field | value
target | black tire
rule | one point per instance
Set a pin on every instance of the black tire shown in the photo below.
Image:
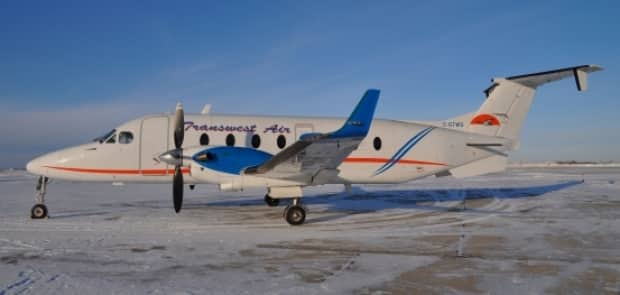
(38, 211)
(271, 202)
(295, 215)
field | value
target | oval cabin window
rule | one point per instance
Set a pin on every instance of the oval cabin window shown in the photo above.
(204, 139)
(281, 141)
(377, 143)
(255, 141)
(230, 140)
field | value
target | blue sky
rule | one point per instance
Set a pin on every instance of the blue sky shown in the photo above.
(70, 70)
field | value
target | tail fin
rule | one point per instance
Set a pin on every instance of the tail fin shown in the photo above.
(508, 100)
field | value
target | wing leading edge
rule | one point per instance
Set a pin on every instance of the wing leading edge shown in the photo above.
(321, 153)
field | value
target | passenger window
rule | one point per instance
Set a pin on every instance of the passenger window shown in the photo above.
(281, 141)
(255, 141)
(204, 139)
(230, 140)
(377, 143)
(125, 137)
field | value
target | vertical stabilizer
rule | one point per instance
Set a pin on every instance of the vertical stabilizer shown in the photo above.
(504, 110)
(508, 100)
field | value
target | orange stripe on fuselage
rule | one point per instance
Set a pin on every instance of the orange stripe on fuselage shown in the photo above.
(186, 170)
(119, 171)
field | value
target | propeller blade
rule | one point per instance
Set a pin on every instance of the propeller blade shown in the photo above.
(179, 125)
(177, 189)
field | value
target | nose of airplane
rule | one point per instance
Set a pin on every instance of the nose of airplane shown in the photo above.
(35, 166)
(39, 165)
(44, 165)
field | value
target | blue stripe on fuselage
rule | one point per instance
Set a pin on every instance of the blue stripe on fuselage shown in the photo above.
(403, 150)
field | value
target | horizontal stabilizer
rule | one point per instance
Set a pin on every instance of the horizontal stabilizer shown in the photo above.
(580, 73)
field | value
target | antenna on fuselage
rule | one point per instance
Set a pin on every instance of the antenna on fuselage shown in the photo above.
(206, 109)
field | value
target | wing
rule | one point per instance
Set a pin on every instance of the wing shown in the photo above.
(319, 154)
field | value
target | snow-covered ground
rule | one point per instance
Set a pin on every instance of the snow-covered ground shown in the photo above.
(525, 231)
(564, 164)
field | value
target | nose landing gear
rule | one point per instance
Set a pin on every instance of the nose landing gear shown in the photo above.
(271, 202)
(39, 210)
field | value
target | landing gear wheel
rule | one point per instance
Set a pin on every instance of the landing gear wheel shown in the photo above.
(271, 202)
(295, 215)
(38, 211)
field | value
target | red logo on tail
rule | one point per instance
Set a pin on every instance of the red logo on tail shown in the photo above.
(485, 119)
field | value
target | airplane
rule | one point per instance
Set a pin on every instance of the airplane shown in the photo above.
(284, 154)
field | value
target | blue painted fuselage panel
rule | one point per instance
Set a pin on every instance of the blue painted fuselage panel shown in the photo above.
(230, 159)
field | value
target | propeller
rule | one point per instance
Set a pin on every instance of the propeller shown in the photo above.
(177, 189)
(179, 122)
(175, 157)
(177, 179)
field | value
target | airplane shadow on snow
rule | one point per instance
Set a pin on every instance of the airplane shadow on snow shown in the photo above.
(359, 201)
(367, 201)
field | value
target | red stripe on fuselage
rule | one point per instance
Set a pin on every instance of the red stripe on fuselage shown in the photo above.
(186, 170)
(119, 171)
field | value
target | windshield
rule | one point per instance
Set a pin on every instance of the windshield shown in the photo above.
(100, 139)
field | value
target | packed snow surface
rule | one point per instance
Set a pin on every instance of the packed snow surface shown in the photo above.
(524, 231)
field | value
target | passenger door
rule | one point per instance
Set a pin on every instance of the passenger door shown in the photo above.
(153, 142)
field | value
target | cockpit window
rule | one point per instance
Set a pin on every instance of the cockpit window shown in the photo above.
(111, 139)
(125, 137)
(103, 138)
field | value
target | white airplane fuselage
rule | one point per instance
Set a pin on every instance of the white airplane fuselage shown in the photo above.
(137, 161)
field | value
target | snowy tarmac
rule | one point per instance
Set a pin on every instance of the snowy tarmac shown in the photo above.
(524, 231)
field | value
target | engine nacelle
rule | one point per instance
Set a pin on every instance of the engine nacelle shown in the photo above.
(232, 183)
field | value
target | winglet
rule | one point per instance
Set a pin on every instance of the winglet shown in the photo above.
(581, 75)
(360, 119)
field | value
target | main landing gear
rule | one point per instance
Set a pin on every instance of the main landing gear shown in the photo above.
(294, 213)
(271, 202)
(39, 210)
